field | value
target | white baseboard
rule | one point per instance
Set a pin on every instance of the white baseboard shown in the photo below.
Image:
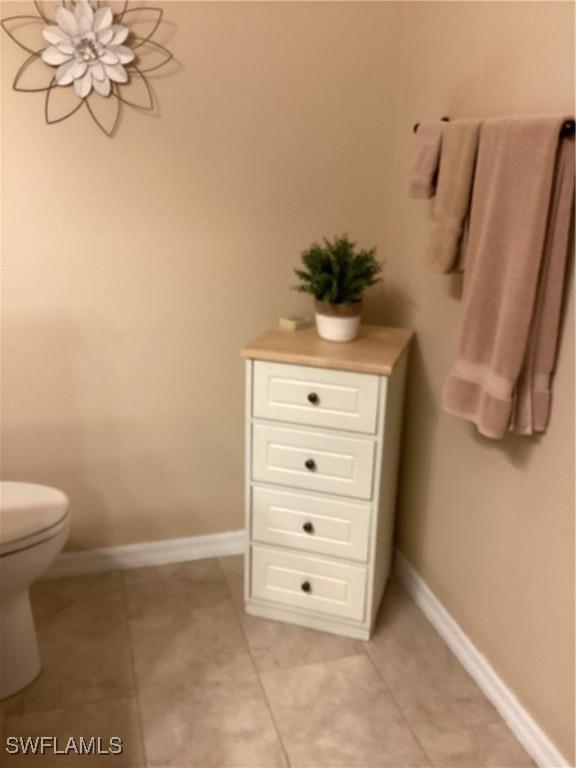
(148, 553)
(520, 722)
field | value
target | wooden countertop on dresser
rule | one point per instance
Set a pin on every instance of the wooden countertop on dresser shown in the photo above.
(377, 349)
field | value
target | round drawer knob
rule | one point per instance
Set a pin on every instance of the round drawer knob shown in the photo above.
(313, 398)
(308, 528)
(310, 464)
(306, 586)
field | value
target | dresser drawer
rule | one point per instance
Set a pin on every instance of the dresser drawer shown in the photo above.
(319, 524)
(313, 460)
(316, 396)
(312, 583)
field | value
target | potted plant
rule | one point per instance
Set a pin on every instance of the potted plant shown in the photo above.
(337, 275)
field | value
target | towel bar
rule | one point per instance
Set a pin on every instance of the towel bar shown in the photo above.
(567, 129)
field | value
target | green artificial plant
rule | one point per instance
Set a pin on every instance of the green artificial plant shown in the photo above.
(336, 273)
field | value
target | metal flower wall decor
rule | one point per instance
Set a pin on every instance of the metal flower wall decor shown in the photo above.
(88, 56)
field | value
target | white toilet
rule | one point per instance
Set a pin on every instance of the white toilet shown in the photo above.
(34, 524)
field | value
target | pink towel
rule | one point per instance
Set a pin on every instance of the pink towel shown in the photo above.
(428, 145)
(515, 269)
(453, 192)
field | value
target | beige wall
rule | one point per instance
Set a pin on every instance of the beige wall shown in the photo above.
(135, 268)
(489, 525)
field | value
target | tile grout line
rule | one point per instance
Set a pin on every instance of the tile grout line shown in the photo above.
(260, 685)
(69, 705)
(268, 706)
(398, 707)
(133, 664)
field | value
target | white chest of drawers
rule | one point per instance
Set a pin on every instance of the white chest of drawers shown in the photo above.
(323, 426)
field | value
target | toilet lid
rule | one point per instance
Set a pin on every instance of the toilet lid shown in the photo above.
(27, 510)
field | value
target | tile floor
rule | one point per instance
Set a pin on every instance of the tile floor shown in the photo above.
(166, 659)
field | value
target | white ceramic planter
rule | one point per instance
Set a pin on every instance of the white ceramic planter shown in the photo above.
(337, 322)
